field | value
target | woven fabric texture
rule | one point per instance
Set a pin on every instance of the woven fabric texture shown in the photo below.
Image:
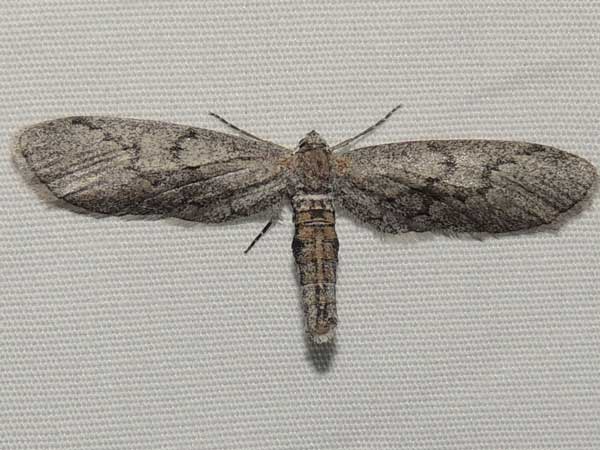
(157, 334)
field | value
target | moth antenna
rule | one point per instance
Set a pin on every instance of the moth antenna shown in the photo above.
(368, 130)
(244, 132)
(261, 234)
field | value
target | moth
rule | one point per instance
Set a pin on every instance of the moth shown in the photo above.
(122, 166)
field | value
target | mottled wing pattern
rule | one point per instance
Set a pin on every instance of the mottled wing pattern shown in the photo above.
(127, 166)
(460, 185)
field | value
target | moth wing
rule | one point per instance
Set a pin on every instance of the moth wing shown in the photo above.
(127, 166)
(460, 185)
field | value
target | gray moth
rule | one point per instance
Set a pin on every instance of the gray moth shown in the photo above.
(122, 166)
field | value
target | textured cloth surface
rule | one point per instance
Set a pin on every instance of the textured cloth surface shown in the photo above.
(138, 334)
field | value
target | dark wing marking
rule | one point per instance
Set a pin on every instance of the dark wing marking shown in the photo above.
(461, 185)
(127, 166)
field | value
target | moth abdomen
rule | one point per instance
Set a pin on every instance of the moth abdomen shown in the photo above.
(320, 311)
(315, 247)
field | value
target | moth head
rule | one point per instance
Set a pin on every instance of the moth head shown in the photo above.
(312, 141)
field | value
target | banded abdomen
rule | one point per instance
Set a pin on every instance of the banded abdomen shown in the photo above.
(315, 248)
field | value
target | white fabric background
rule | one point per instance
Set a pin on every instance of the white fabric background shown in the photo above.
(136, 334)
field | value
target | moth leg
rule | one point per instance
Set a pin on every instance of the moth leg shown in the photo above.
(263, 231)
(244, 132)
(368, 130)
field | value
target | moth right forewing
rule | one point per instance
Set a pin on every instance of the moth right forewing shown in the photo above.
(461, 185)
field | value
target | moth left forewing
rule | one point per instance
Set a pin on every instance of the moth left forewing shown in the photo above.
(122, 166)
(460, 185)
